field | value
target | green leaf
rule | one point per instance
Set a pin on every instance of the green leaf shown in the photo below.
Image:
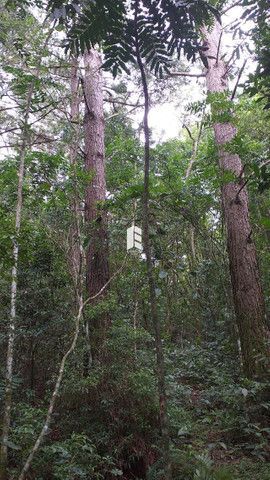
(265, 222)
(117, 472)
(12, 445)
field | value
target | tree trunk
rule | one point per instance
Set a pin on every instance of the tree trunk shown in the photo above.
(14, 275)
(195, 146)
(244, 271)
(97, 265)
(14, 285)
(160, 362)
(74, 241)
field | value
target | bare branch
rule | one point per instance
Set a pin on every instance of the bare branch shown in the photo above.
(8, 130)
(189, 132)
(218, 49)
(247, 180)
(238, 80)
(186, 74)
(195, 142)
(111, 100)
(121, 113)
(233, 54)
(235, 4)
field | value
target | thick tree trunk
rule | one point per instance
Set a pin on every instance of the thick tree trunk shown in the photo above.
(97, 265)
(244, 271)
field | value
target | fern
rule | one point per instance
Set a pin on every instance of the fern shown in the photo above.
(206, 471)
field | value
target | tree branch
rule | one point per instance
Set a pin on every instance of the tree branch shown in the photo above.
(232, 55)
(186, 74)
(189, 132)
(247, 180)
(235, 4)
(238, 80)
(109, 100)
(218, 49)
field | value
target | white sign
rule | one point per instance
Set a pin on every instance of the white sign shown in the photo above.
(134, 239)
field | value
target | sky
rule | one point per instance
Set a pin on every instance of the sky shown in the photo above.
(166, 120)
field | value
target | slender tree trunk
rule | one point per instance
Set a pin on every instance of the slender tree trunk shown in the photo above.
(75, 264)
(14, 277)
(14, 285)
(97, 265)
(76, 259)
(164, 423)
(244, 271)
(195, 145)
(75, 254)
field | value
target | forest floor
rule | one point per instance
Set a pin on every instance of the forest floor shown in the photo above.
(224, 419)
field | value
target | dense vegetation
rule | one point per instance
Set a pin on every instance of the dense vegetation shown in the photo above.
(148, 364)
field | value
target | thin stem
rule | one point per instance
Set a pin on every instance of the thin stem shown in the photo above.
(151, 282)
(186, 74)
(195, 145)
(238, 80)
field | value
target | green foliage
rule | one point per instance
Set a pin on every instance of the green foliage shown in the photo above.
(158, 28)
(106, 421)
(221, 107)
(77, 458)
(28, 423)
(258, 83)
(206, 471)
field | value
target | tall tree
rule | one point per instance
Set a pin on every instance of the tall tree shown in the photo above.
(97, 265)
(244, 270)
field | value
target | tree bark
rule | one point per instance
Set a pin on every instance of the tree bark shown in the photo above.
(14, 285)
(244, 271)
(74, 240)
(97, 265)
